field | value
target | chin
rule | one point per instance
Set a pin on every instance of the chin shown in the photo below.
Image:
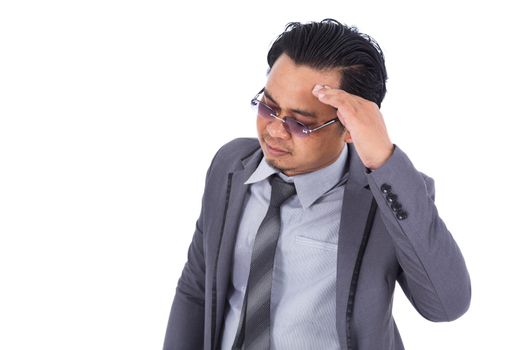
(273, 164)
(288, 171)
(277, 165)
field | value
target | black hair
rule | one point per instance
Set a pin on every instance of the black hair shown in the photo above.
(330, 44)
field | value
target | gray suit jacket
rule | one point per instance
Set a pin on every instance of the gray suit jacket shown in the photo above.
(376, 248)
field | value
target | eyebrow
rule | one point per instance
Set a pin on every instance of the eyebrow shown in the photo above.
(294, 110)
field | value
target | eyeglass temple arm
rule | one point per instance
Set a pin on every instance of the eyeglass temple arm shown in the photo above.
(322, 126)
(260, 92)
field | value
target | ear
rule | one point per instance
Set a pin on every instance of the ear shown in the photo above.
(347, 137)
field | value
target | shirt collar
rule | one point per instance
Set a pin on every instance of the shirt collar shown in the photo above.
(310, 186)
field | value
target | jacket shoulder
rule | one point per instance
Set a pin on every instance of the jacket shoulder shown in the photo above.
(236, 150)
(229, 156)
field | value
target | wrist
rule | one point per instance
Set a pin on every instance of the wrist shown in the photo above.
(383, 160)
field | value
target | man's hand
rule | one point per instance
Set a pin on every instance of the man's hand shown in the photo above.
(363, 120)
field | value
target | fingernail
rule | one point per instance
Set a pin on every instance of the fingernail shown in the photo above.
(317, 87)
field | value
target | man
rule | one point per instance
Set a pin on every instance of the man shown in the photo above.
(303, 233)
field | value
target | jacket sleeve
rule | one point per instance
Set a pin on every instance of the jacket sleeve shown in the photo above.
(433, 273)
(185, 330)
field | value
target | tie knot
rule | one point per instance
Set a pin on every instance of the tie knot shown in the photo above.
(281, 191)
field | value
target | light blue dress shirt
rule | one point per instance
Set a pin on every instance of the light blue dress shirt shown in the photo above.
(304, 277)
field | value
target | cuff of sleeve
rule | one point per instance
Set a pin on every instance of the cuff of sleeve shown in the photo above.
(369, 171)
(395, 169)
(392, 159)
(399, 179)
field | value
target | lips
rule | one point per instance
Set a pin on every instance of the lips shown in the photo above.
(275, 151)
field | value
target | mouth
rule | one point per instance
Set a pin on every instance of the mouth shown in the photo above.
(275, 151)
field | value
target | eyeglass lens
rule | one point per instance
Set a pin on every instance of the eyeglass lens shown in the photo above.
(290, 124)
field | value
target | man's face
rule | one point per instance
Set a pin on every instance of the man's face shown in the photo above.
(289, 92)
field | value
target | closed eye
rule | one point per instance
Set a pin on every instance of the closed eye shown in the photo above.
(308, 123)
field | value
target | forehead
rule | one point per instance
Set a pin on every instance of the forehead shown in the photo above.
(292, 84)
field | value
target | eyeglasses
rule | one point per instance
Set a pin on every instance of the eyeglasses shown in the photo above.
(291, 125)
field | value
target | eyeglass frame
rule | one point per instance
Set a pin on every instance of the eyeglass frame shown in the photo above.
(306, 130)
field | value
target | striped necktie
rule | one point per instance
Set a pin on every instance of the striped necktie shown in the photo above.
(256, 308)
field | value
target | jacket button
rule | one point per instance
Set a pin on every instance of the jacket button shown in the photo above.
(391, 198)
(386, 188)
(395, 207)
(401, 215)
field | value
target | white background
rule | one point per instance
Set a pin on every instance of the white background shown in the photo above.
(110, 112)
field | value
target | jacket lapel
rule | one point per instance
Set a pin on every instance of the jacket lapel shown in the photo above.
(354, 213)
(235, 206)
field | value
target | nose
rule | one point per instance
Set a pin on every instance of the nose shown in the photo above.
(276, 129)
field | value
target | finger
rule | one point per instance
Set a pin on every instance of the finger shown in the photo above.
(330, 96)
